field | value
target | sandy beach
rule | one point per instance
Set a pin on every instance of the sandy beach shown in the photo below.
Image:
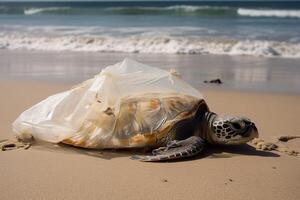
(252, 49)
(60, 172)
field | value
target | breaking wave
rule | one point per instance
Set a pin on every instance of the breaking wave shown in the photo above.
(152, 44)
(268, 13)
(135, 10)
(55, 10)
(176, 8)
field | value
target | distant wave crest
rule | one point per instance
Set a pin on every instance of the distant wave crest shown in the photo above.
(268, 13)
(184, 8)
(33, 11)
(176, 9)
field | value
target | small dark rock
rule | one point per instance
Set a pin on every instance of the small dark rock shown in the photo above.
(286, 138)
(164, 180)
(216, 81)
(230, 180)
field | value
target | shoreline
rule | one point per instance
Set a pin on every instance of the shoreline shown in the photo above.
(238, 73)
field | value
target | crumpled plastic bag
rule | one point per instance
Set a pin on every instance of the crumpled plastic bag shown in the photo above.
(65, 114)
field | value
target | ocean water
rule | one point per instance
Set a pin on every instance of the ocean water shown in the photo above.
(264, 29)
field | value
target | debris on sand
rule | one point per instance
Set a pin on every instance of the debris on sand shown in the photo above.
(14, 144)
(286, 138)
(215, 81)
(260, 144)
(164, 180)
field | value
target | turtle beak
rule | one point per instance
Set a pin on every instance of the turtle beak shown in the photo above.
(249, 129)
(255, 131)
(249, 135)
(250, 132)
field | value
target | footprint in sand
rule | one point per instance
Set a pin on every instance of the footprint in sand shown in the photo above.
(276, 146)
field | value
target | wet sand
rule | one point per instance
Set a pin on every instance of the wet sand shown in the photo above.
(243, 73)
(233, 173)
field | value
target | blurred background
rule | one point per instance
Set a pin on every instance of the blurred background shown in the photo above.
(250, 45)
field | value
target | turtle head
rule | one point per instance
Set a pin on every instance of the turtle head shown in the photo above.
(230, 130)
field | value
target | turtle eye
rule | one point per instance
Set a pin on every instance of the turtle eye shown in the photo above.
(238, 125)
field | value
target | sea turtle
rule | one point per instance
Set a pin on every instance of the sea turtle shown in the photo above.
(175, 126)
(131, 105)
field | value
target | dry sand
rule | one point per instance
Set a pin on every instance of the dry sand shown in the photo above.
(222, 173)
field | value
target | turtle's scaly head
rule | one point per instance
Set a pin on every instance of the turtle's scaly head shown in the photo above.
(230, 130)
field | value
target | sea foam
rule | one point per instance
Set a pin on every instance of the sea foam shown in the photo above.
(152, 44)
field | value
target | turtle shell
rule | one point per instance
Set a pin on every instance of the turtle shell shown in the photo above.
(139, 121)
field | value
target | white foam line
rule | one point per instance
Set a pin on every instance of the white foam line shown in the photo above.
(151, 44)
(32, 11)
(268, 13)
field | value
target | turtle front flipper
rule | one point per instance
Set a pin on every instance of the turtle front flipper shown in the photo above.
(174, 150)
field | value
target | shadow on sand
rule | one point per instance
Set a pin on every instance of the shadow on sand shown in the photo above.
(213, 152)
(210, 152)
(67, 149)
(239, 150)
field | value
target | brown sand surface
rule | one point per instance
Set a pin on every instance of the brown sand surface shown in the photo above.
(219, 173)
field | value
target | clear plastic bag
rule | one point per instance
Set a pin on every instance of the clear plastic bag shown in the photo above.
(75, 112)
